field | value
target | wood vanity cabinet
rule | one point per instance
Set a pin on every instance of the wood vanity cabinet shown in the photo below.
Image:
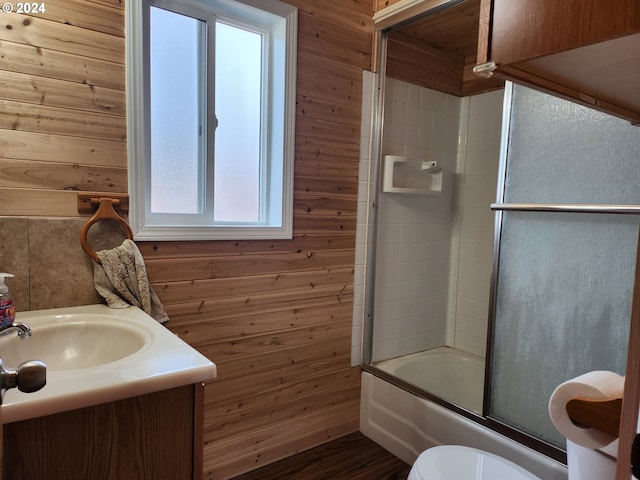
(587, 51)
(156, 436)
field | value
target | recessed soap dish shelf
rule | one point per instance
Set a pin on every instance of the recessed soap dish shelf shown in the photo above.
(400, 176)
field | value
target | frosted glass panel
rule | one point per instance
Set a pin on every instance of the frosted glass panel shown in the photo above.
(176, 116)
(567, 153)
(563, 307)
(239, 109)
(564, 280)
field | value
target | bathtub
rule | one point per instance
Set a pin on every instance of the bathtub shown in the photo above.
(406, 424)
(451, 374)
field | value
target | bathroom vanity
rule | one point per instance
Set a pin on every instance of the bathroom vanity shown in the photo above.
(124, 399)
(152, 436)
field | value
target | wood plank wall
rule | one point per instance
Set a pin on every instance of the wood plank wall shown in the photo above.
(413, 61)
(274, 315)
(62, 106)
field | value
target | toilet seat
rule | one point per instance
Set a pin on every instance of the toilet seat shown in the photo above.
(457, 462)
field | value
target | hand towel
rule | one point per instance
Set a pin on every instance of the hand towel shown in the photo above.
(121, 278)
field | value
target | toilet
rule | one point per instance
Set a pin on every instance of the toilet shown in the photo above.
(456, 462)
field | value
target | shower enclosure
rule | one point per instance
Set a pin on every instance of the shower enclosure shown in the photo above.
(434, 249)
(431, 260)
(511, 259)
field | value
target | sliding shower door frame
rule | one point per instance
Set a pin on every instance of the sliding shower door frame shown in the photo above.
(499, 207)
(493, 423)
(375, 155)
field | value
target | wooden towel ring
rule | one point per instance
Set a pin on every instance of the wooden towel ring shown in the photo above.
(105, 212)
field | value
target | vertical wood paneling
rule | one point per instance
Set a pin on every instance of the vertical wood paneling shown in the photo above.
(274, 315)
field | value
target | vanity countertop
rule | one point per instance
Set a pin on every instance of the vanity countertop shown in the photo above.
(96, 354)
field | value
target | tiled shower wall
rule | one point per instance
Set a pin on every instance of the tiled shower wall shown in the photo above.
(472, 235)
(413, 239)
(433, 253)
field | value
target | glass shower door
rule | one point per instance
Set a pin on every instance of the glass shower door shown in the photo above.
(564, 275)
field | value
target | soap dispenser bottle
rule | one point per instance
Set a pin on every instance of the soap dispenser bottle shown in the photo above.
(7, 306)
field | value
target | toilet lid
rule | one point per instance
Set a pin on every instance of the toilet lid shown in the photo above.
(456, 462)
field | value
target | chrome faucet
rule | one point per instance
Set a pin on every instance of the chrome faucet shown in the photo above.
(24, 330)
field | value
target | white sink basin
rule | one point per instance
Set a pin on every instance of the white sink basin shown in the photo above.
(73, 345)
(96, 354)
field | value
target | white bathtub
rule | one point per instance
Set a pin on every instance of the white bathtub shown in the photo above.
(406, 425)
(450, 374)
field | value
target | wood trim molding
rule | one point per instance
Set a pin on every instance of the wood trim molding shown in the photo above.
(406, 10)
(631, 398)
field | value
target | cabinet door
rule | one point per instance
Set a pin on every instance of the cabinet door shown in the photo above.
(582, 50)
(527, 29)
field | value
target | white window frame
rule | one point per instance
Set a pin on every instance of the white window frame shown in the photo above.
(280, 20)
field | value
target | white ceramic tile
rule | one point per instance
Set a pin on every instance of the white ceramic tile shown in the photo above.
(468, 343)
(400, 91)
(384, 330)
(422, 255)
(476, 252)
(439, 101)
(408, 345)
(474, 290)
(383, 350)
(364, 165)
(452, 304)
(427, 98)
(356, 335)
(464, 115)
(477, 272)
(358, 296)
(414, 114)
(411, 326)
(358, 274)
(412, 141)
(471, 317)
(356, 355)
(477, 216)
(414, 95)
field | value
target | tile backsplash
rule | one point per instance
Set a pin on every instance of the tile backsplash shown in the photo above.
(51, 269)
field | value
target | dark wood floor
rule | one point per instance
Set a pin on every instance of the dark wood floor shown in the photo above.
(353, 457)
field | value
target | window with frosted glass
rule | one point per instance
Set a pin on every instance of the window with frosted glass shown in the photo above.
(238, 174)
(177, 142)
(211, 119)
(178, 95)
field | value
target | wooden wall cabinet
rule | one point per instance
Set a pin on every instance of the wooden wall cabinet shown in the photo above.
(583, 50)
(154, 436)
